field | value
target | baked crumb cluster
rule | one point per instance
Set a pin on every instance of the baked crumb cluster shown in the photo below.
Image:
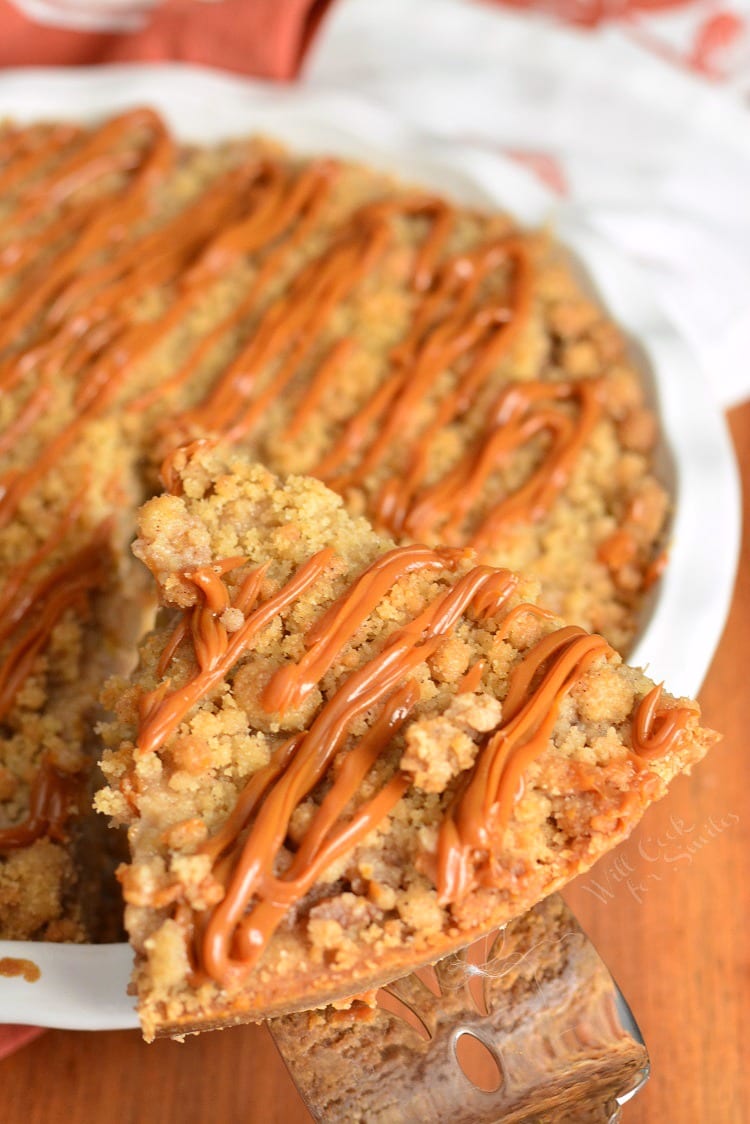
(195, 726)
(441, 369)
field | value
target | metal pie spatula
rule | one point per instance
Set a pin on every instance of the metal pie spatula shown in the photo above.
(526, 1024)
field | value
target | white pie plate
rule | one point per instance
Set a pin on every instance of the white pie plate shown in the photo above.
(84, 986)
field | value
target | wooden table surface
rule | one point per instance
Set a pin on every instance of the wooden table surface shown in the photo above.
(670, 920)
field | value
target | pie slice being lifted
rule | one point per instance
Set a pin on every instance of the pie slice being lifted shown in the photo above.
(340, 759)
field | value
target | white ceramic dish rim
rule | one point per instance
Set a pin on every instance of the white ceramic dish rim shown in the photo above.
(84, 986)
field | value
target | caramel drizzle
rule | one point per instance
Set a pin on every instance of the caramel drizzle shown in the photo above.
(474, 825)
(41, 605)
(272, 217)
(448, 326)
(235, 404)
(471, 681)
(285, 215)
(163, 710)
(36, 304)
(84, 321)
(655, 569)
(18, 593)
(66, 587)
(102, 222)
(53, 793)
(473, 829)
(169, 472)
(320, 384)
(290, 685)
(31, 411)
(88, 157)
(228, 940)
(25, 150)
(233, 940)
(232, 408)
(265, 807)
(451, 329)
(521, 413)
(656, 731)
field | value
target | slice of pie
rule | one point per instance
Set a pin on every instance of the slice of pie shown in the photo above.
(340, 759)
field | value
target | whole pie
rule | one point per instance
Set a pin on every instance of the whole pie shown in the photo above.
(442, 371)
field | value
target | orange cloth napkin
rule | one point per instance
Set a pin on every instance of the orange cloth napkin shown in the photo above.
(265, 38)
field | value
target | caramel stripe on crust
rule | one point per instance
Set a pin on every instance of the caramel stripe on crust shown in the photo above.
(229, 939)
(53, 795)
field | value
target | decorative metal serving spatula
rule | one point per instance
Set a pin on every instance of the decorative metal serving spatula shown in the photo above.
(526, 1024)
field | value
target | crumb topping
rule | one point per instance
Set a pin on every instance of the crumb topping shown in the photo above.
(396, 808)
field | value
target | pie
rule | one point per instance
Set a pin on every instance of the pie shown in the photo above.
(444, 371)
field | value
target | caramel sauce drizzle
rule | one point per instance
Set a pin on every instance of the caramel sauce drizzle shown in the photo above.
(169, 470)
(473, 828)
(26, 150)
(36, 300)
(452, 326)
(521, 413)
(232, 408)
(229, 939)
(35, 608)
(66, 587)
(449, 325)
(19, 593)
(234, 938)
(657, 730)
(287, 213)
(290, 685)
(474, 825)
(53, 793)
(655, 569)
(320, 384)
(11, 966)
(103, 222)
(235, 404)
(217, 652)
(469, 683)
(31, 411)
